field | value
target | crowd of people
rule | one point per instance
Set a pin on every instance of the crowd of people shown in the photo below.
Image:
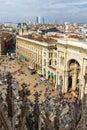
(40, 105)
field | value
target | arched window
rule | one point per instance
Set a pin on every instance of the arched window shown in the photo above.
(86, 69)
(44, 62)
(62, 60)
(50, 62)
(55, 62)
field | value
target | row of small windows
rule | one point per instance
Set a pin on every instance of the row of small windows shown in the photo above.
(34, 48)
(51, 55)
(50, 62)
(39, 51)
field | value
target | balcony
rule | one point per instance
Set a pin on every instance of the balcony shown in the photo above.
(52, 67)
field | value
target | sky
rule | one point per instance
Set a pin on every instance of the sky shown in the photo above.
(59, 11)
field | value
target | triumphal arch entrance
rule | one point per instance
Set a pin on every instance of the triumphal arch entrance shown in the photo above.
(73, 75)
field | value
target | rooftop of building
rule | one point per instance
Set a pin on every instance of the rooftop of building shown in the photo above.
(80, 43)
(39, 42)
(71, 39)
(5, 34)
(40, 38)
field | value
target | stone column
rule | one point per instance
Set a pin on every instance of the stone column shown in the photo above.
(57, 76)
(57, 80)
(74, 79)
(85, 84)
(46, 74)
(65, 88)
(81, 86)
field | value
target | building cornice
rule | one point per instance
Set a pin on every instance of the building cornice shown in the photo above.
(45, 44)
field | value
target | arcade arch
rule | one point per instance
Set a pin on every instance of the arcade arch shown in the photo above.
(73, 75)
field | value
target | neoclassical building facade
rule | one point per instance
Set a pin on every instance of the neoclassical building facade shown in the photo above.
(72, 65)
(63, 62)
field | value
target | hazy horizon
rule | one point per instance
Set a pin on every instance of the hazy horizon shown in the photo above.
(58, 11)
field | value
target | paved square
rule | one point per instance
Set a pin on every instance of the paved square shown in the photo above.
(20, 71)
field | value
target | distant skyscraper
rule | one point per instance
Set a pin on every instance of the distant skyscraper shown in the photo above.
(43, 21)
(38, 19)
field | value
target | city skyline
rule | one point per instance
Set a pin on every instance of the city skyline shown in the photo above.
(59, 11)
